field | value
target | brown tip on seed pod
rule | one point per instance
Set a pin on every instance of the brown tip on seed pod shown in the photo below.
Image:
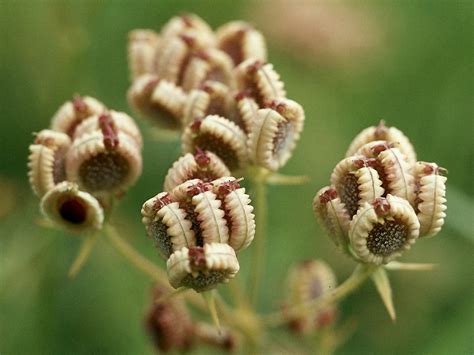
(179, 25)
(220, 136)
(74, 210)
(241, 42)
(142, 48)
(71, 113)
(306, 282)
(430, 201)
(46, 160)
(202, 268)
(274, 134)
(383, 229)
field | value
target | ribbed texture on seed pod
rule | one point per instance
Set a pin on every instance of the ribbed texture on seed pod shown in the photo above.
(72, 209)
(179, 25)
(173, 55)
(202, 268)
(220, 136)
(382, 230)
(46, 160)
(247, 110)
(71, 113)
(142, 48)
(430, 202)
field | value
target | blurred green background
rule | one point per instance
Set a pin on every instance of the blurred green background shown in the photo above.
(351, 64)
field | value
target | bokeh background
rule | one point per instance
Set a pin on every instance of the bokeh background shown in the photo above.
(348, 63)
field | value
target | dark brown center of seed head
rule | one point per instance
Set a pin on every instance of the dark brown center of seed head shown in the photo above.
(233, 47)
(204, 281)
(222, 149)
(349, 193)
(73, 211)
(385, 239)
(104, 171)
(109, 131)
(192, 216)
(283, 136)
(159, 232)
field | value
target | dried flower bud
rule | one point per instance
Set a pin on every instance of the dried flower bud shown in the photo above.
(104, 161)
(222, 338)
(274, 133)
(159, 100)
(202, 268)
(382, 230)
(383, 133)
(306, 282)
(241, 42)
(179, 25)
(202, 165)
(71, 113)
(260, 81)
(169, 324)
(72, 209)
(220, 136)
(430, 202)
(142, 47)
(46, 160)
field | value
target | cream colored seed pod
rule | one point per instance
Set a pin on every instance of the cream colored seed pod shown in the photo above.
(46, 160)
(121, 121)
(246, 114)
(142, 48)
(356, 183)
(158, 100)
(383, 133)
(241, 42)
(220, 136)
(210, 99)
(238, 212)
(72, 209)
(430, 202)
(106, 161)
(71, 113)
(209, 64)
(274, 134)
(382, 230)
(332, 215)
(260, 81)
(202, 268)
(167, 225)
(203, 165)
(179, 25)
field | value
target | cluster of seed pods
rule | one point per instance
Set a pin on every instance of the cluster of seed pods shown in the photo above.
(198, 227)
(87, 157)
(381, 199)
(217, 89)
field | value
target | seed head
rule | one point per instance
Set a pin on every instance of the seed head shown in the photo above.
(142, 50)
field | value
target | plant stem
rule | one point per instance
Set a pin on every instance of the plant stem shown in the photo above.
(82, 257)
(357, 278)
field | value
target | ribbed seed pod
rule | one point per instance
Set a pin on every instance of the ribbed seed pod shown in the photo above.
(306, 282)
(179, 25)
(393, 168)
(383, 229)
(123, 123)
(71, 113)
(202, 268)
(332, 215)
(209, 64)
(244, 111)
(430, 202)
(203, 165)
(142, 48)
(274, 133)
(159, 100)
(238, 211)
(356, 183)
(211, 98)
(72, 209)
(241, 42)
(260, 81)
(104, 161)
(46, 160)
(218, 135)
(383, 133)
(167, 225)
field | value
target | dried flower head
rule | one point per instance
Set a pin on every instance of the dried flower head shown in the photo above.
(202, 165)
(202, 268)
(71, 113)
(274, 133)
(142, 48)
(381, 230)
(218, 135)
(72, 209)
(46, 160)
(241, 42)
